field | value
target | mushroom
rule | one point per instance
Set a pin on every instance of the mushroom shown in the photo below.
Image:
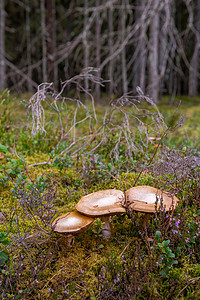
(145, 198)
(102, 204)
(71, 224)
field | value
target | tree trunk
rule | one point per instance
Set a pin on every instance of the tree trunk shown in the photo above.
(86, 45)
(163, 44)
(123, 57)
(153, 76)
(28, 45)
(2, 46)
(139, 66)
(51, 40)
(98, 49)
(142, 59)
(194, 64)
(110, 43)
(44, 46)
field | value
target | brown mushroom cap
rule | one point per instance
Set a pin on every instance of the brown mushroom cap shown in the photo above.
(71, 223)
(101, 203)
(144, 199)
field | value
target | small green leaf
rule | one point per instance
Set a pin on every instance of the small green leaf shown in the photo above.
(3, 257)
(166, 243)
(3, 148)
(5, 242)
(163, 274)
(157, 236)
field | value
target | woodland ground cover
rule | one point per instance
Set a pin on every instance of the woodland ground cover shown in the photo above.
(86, 149)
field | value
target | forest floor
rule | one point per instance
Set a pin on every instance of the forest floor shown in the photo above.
(83, 151)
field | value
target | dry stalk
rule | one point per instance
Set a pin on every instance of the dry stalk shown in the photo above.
(129, 119)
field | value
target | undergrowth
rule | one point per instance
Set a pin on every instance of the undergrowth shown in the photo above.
(83, 151)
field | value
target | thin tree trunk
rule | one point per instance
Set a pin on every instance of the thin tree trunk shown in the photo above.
(110, 43)
(123, 57)
(153, 76)
(165, 16)
(143, 60)
(51, 40)
(171, 80)
(44, 47)
(194, 64)
(28, 45)
(2, 46)
(98, 48)
(139, 66)
(86, 45)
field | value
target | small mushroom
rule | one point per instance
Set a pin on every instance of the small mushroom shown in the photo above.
(145, 198)
(71, 224)
(102, 204)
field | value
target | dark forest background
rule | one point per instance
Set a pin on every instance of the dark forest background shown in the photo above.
(147, 43)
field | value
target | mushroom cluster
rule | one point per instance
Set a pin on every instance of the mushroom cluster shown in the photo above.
(107, 203)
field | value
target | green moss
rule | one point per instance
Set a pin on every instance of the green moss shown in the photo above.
(59, 272)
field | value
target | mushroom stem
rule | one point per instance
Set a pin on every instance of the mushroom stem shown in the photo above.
(70, 240)
(146, 219)
(106, 228)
